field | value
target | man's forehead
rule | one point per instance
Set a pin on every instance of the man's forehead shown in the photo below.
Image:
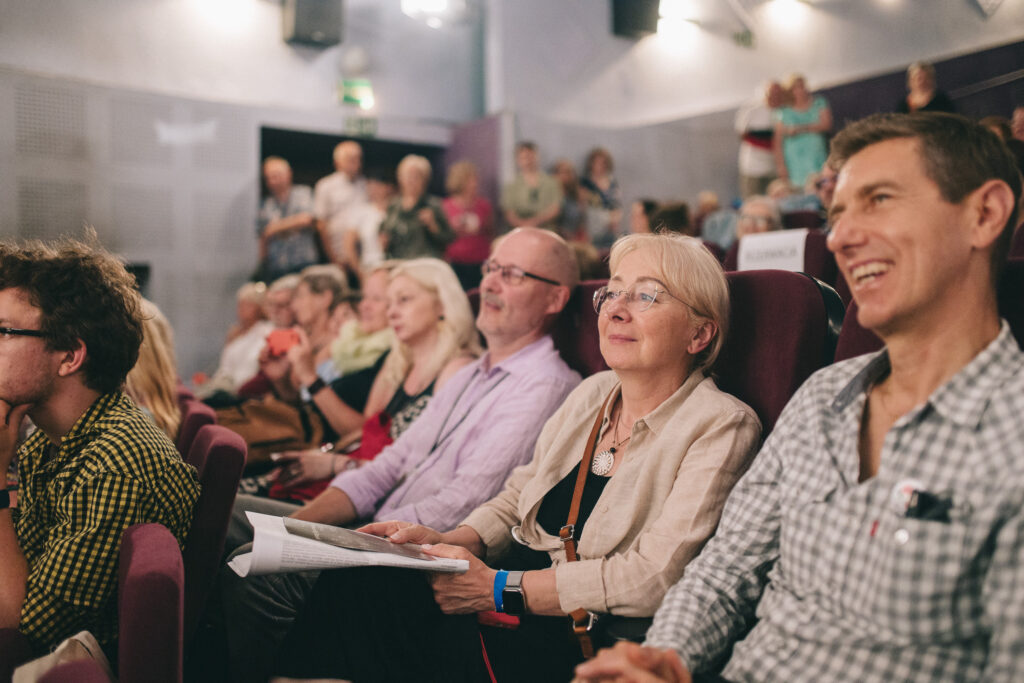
(521, 249)
(15, 301)
(887, 160)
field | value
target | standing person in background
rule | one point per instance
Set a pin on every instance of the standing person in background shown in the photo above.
(337, 198)
(472, 218)
(756, 127)
(415, 224)
(289, 238)
(362, 244)
(800, 128)
(922, 92)
(572, 219)
(604, 198)
(533, 199)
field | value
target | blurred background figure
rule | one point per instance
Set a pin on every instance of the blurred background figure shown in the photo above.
(756, 126)
(673, 217)
(533, 198)
(758, 214)
(289, 239)
(1000, 125)
(922, 93)
(572, 219)
(338, 197)
(707, 204)
(472, 219)
(153, 382)
(640, 213)
(362, 242)
(800, 127)
(415, 224)
(604, 198)
(239, 360)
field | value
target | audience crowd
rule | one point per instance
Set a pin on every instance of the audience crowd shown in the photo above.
(395, 367)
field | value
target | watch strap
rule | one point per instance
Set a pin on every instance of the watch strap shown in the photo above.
(316, 387)
(5, 499)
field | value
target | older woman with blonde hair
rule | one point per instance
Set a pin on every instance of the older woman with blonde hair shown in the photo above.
(153, 382)
(415, 224)
(627, 483)
(433, 336)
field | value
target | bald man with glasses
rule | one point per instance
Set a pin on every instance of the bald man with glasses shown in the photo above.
(479, 427)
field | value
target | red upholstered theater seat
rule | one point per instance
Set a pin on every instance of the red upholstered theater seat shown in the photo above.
(818, 260)
(219, 455)
(792, 220)
(151, 598)
(194, 415)
(783, 327)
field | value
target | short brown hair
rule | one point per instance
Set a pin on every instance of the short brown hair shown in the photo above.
(83, 293)
(959, 156)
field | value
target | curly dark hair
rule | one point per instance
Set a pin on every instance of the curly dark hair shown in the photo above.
(83, 293)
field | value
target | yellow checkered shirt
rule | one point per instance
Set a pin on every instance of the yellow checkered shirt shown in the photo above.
(115, 468)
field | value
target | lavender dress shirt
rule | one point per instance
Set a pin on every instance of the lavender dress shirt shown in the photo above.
(481, 425)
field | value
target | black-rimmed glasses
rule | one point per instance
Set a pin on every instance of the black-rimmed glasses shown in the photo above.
(17, 332)
(513, 275)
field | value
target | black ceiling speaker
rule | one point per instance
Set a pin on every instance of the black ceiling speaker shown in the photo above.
(634, 18)
(314, 23)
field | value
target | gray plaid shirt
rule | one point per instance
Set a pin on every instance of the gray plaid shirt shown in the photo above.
(813, 576)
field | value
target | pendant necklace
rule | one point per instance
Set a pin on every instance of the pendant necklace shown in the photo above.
(604, 461)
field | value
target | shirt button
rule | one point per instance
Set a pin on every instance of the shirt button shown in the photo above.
(901, 536)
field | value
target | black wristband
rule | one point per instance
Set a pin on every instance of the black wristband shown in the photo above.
(5, 499)
(316, 387)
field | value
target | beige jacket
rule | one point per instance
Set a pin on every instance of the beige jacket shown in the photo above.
(654, 515)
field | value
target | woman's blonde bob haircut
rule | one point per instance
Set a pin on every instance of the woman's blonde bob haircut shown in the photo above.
(456, 331)
(692, 274)
(459, 175)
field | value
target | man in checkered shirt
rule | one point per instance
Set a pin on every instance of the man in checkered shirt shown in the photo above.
(879, 534)
(70, 330)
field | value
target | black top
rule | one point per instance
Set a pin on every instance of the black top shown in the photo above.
(940, 102)
(552, 516)
(353, 388)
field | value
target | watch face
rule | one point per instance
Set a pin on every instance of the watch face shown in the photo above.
(512, 602)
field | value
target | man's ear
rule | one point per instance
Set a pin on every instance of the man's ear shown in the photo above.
(73, 359)
(991, 206)
(558, 298)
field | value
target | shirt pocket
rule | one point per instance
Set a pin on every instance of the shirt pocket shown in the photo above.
(914, 581)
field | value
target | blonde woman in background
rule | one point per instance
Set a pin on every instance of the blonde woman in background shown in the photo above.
(434, 336)
(153, 382)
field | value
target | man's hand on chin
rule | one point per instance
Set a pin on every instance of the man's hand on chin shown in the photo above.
(10, 426)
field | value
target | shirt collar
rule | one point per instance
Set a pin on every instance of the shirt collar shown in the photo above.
(963, 398)
(525, 357)
(91, 420)
(658, 418)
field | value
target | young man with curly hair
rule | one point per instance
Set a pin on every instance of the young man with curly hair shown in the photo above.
(70, 330)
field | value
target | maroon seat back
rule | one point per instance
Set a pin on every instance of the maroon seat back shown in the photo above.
(715, 249)
(855, 340)
(818, 260)
(151, 599)
(804, 218)
(194, 415)
(782, 328)
(219, 455)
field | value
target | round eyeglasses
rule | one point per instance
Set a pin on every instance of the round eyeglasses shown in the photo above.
(637, 298)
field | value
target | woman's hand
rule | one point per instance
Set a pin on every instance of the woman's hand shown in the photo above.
(276, 368)
(402, 532)
(301, 358)
(304, 467)
(426, 217)
(462, 593)
(633, 663)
